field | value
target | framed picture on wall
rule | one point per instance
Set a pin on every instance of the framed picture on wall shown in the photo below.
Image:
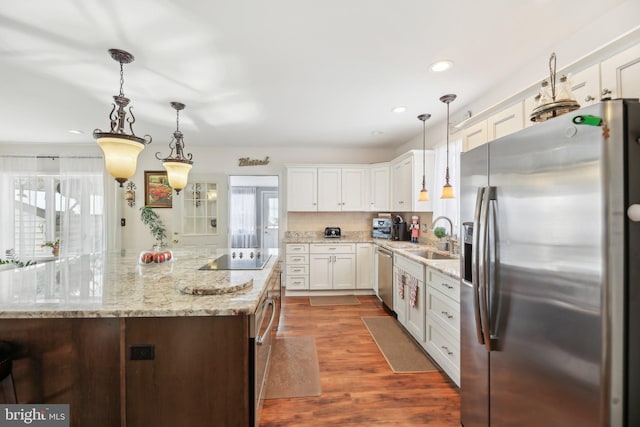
(157, 192)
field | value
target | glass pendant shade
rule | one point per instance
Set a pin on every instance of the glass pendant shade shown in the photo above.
(120, 156)
(424, 195)
(178, 174)
(447, 192)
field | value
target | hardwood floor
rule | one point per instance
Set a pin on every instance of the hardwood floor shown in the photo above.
(358, 387)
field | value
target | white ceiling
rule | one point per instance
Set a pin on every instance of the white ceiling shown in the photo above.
(265, 73)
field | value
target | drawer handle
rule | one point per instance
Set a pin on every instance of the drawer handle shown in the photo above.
(447, 315)
(445, 348)
(447, 286)
(297, 270)
(297, 249)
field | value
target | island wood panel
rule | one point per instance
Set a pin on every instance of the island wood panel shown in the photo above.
(358, 387)
(200, 374)
(73, 361)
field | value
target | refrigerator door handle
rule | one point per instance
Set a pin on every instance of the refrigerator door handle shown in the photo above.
(476, 253)
(483, 273)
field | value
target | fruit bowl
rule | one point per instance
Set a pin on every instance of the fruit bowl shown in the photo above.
(155, 257)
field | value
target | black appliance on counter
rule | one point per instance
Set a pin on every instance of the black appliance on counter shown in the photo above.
(399, 230)
(332, 232)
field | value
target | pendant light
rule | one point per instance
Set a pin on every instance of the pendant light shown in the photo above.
(177, 167)
(447, 189)
(424, 195)
(121, 149)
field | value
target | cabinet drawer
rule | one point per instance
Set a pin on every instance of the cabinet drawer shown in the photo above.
(338, 248)
(296, 259)
(297, 282)
(445, 284)
(297, 270)
(444, 308)
(297, 248)
(414, 268)
(443, 348)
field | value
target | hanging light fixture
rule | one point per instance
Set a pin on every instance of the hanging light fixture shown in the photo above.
(121, 149)
(177, 167)
(447, 189)
(424, 195)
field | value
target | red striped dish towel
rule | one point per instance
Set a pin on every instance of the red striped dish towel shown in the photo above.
(413, 293)
(401, 282)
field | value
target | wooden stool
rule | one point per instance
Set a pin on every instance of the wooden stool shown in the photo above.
(6, 377)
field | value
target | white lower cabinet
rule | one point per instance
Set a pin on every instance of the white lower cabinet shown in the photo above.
(297, 266)
(443, 322)
(364, 266)
(332, 266)
(411, 312)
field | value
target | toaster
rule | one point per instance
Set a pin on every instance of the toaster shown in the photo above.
(332, 232)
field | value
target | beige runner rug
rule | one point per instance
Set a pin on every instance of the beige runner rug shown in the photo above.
(294, 370)
(319, 300)
(400, 351)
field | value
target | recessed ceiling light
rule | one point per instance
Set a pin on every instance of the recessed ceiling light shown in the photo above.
(440, 66)
(399, 109)
(76, 132)
(376, 132)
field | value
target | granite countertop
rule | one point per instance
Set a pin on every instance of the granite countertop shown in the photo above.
(450, 267)
(115, 285)
(318, 237)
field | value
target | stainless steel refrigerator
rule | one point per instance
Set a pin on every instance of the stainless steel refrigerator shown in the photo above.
(550, 288)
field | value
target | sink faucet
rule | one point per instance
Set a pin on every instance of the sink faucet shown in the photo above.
(450, 239)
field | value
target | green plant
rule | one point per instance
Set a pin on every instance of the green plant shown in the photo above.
(440, 232)
(54, 245)
(17, 262)
(151, 219)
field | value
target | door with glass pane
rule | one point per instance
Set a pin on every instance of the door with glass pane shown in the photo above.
(270, 220)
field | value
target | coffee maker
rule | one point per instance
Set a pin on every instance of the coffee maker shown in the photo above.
(399, 229)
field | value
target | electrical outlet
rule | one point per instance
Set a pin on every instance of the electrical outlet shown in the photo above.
(123, 222)
(425, 227)
(142, 352)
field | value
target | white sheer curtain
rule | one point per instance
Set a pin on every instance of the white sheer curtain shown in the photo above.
(81, 198)
(243, 217)
(18, 225)
(447, 207)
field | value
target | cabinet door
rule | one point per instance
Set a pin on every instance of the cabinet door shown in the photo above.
(320, 271)
(364, 266)
(379, 188)
(329, 189)
(354, 189)
(585, 85)
(402, 178)
(344, 271)
(474, 136)
(621, 74)
(302, 189)
(505, 122)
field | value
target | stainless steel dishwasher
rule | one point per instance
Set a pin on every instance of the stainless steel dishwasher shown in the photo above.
(385, 277)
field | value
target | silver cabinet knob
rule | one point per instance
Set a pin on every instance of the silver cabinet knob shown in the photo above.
(589, 98)
(633, 212)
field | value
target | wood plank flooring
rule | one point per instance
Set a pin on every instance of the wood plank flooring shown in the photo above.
(358, 386)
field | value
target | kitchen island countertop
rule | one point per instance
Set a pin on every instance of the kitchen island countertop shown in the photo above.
(115, 285)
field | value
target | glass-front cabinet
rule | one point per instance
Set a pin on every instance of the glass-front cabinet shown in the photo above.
(200, 209)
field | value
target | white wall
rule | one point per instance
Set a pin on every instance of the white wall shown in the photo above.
(215, 163)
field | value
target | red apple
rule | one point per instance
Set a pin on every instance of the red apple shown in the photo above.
(147, 257)
(158, 257)
(167, 256)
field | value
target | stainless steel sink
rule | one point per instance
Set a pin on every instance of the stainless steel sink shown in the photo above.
(431, 254)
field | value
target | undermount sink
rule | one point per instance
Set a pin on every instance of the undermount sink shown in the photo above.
(430, 254)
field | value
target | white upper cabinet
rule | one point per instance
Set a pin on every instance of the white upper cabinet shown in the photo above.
(379, 199)
(355, 184)
(621, 74)
(474, 136)
(506, 122)
(585, 85)
(329, 189)
(406, 181)
(342, 189)
(302, 189)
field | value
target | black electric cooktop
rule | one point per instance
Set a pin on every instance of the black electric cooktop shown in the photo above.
(238, 260)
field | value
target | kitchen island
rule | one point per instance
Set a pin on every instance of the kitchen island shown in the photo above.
(122, 344)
